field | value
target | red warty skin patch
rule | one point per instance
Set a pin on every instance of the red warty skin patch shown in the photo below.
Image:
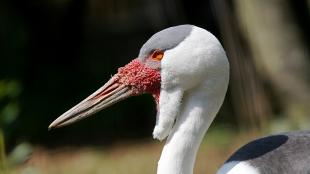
(140, 78)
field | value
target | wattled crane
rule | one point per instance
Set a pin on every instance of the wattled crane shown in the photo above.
(186, 70)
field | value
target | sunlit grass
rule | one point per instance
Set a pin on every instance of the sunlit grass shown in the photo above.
(125, 158)
(129, 158)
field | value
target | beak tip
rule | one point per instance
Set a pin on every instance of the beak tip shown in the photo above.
(105, 96)
(53, 125)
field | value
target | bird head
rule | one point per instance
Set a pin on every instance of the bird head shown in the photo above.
(174, 59)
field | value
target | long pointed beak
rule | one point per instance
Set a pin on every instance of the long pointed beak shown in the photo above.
(133, 79)
(112, 92)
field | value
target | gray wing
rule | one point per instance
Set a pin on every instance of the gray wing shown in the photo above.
(287, 153)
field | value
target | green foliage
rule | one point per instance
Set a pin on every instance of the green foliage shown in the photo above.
(9, 111)
(220, 134)
(9, 108)
(3, 163)
(20, 154)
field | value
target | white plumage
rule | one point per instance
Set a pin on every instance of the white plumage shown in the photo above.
(237, 167)
(194, 82)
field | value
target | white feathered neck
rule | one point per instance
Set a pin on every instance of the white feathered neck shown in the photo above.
(195, 77)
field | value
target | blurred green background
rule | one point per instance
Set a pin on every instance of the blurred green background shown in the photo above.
(54, 53)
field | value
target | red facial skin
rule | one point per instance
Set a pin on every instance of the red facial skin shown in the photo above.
(140, 78)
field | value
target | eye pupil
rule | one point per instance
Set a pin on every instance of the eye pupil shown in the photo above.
(157, 55)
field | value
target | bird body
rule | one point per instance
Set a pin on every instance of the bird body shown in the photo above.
(186, 69)
(286, 153)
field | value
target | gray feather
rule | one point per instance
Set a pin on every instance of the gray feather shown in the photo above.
(165, 39)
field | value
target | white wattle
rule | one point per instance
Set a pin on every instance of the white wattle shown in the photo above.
(169, 105)
(198, 71)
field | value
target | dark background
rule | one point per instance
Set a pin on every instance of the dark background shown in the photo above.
(54, 53)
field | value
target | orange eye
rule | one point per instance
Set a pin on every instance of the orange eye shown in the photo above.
(157, 55)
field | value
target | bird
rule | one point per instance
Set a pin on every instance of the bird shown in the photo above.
(186, 70)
